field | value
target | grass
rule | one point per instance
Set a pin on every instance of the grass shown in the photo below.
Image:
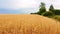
(28, 24)
(57, 17)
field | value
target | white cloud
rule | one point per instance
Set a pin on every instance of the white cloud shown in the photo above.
(27, 3)
(19, 3)
(56, 4)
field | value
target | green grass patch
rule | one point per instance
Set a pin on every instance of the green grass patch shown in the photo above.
(57, 17)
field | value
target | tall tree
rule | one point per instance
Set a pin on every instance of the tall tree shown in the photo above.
(42, 8)
(51, 8)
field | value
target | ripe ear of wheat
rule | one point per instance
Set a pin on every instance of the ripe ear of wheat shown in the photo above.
(28, 24)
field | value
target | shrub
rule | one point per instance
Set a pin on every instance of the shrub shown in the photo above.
(48, 14)
(57, 12)
(57, 18)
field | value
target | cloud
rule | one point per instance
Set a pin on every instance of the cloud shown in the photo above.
(27, 3)
(56, 3)
(18, 3)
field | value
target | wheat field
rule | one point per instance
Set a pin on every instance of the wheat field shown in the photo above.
(28, 24)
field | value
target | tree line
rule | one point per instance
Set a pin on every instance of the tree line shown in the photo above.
(44, 12)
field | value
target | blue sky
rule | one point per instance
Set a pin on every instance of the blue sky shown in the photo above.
(23, 4)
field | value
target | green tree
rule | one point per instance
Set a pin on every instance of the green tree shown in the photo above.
(42, 9)
(51, 8)
(48, 14)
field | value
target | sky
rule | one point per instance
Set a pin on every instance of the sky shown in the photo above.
(15, 4)
(23, 4)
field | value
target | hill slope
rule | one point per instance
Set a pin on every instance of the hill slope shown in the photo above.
(28, 24)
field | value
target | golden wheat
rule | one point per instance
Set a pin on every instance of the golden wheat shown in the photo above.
(28, 24)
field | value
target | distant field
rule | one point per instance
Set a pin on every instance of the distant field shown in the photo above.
(28, 24)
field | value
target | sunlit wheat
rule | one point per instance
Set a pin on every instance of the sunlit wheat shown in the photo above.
(28, 24)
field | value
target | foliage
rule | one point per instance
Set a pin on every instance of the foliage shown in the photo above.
(48, 14)
(51, 13)
(57, 12)
(51, 8)
(33, 13)
(42, 8)
(57, 17)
